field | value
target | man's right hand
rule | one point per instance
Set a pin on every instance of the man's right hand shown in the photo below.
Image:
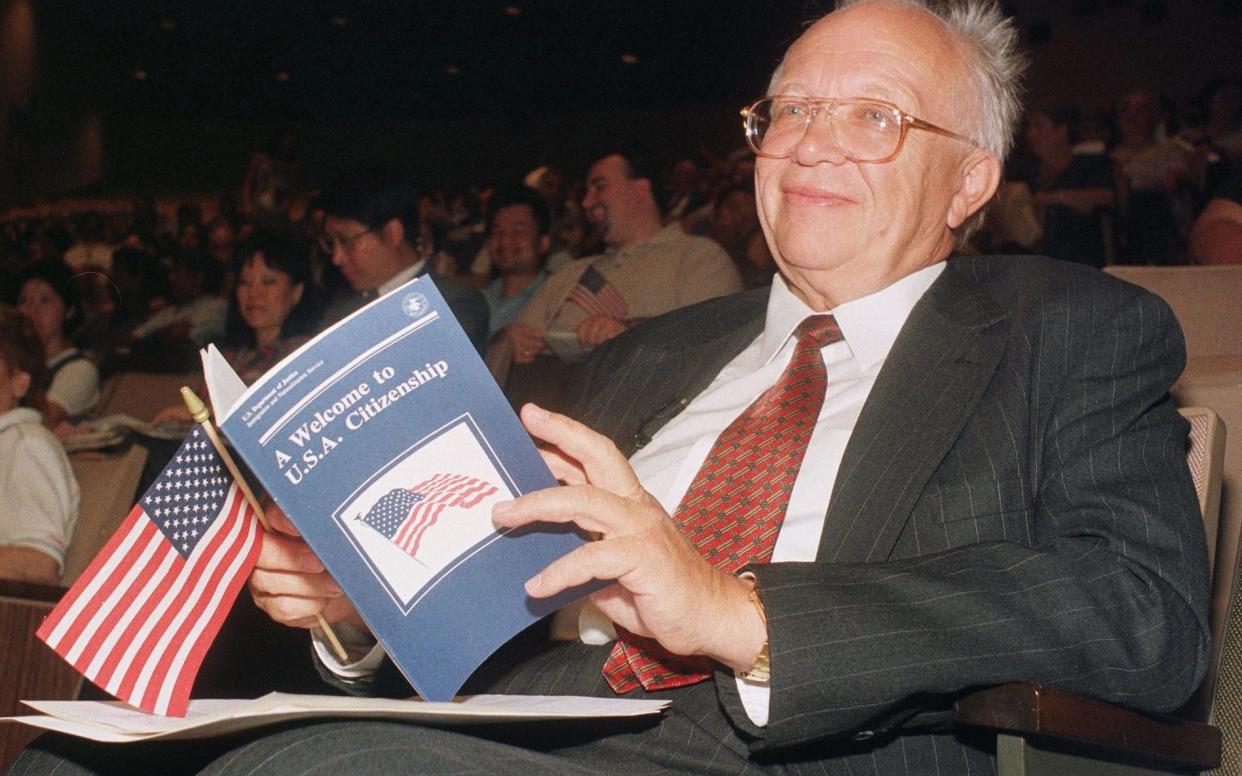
(290, 583)
(527, 341)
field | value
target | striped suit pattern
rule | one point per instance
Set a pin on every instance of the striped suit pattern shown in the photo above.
(1012, 505)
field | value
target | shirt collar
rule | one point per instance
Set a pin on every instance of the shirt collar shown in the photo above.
(402, 277)
(19, 415)
(869, 324)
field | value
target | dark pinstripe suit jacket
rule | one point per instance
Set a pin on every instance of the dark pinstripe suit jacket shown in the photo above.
(1013, 504)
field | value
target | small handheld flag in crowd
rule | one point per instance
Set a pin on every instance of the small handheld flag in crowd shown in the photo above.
(595, 295)
(139, 620)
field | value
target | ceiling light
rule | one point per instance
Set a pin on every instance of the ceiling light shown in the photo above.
(513, 10)
(140, 74)
(629, 59)
(336, 20)
(282, 75)
(452, 70)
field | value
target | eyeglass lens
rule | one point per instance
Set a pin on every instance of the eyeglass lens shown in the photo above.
(864, 131)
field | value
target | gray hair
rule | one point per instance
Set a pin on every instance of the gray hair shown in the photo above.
(990, 42)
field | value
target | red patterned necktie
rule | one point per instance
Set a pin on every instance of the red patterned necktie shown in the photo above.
(733, 510)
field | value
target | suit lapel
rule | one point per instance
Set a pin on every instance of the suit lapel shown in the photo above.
(680, 365)
(928, 387)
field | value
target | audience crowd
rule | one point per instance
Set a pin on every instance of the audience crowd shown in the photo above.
(538, 271)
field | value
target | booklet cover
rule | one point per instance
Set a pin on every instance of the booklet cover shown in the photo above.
(386, 441)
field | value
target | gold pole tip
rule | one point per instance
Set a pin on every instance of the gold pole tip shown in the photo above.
(195, 405)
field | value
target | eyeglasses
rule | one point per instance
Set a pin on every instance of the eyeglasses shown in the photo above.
(329, 243)
(865, 130)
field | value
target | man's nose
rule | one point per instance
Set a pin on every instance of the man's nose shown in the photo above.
(818, 143)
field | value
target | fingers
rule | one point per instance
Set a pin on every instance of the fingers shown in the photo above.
(289, 583)
(277, 520)
(609, 559)
(587, 507)
(527, 342)
(598, 457)
(284, 583)
(563, 468)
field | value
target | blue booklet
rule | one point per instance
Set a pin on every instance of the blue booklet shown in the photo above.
(386, 441)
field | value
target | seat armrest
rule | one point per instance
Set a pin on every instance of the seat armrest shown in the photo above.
(1038, 712)
(31, 591)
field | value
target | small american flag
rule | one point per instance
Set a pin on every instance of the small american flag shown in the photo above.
(597, 296)
(139, 620)
(404, 515)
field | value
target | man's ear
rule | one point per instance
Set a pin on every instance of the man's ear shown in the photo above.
(980, 176)
(545, 242)
(645, 184)
(393, 233)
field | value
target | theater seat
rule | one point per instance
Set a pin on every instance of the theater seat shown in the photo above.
(142, 394)
(28, 667)
(109, 485)
(1042, 730)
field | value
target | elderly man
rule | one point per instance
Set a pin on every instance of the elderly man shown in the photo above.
(893, 477)
(647, 270)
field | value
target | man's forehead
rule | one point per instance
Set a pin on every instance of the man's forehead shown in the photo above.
(884, 50)
(519, 212)
(612, 166)
(341, 224)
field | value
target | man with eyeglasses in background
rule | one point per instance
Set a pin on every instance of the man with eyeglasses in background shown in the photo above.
(371, 233)
(892, 478)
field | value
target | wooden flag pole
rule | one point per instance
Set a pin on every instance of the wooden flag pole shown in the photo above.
(202, 416)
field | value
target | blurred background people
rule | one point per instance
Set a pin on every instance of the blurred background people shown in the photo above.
(1071, 190)
(39, 496)
(49, 298)
(1152, 176)
(371, 232)
(518, 242)
(271, 312)
(170, 338)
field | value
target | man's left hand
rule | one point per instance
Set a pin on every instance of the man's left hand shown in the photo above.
(598, 329)
(664, 589)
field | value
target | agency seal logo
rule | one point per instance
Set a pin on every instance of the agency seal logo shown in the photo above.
(414, 305)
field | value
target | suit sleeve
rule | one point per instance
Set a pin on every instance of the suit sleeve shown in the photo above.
(1098, 587)
(469, 308)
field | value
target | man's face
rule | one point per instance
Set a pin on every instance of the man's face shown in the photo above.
(613, 199)
(362, 254)
(515, 240)
(840, 229)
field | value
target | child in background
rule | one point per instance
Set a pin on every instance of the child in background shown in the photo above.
(38, 494)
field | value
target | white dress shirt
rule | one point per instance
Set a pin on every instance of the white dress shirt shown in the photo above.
(668, 463)
(401, 278)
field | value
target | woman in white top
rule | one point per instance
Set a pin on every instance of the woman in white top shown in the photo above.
(39, 496)
(49, 299)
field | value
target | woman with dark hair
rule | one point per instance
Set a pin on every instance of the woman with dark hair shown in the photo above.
(270, 313)
(1071, 190)
(48, 296)
(39, 496)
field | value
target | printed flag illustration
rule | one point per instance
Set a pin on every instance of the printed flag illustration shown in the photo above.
(139, 620)
(597, 296)
(404, 515)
